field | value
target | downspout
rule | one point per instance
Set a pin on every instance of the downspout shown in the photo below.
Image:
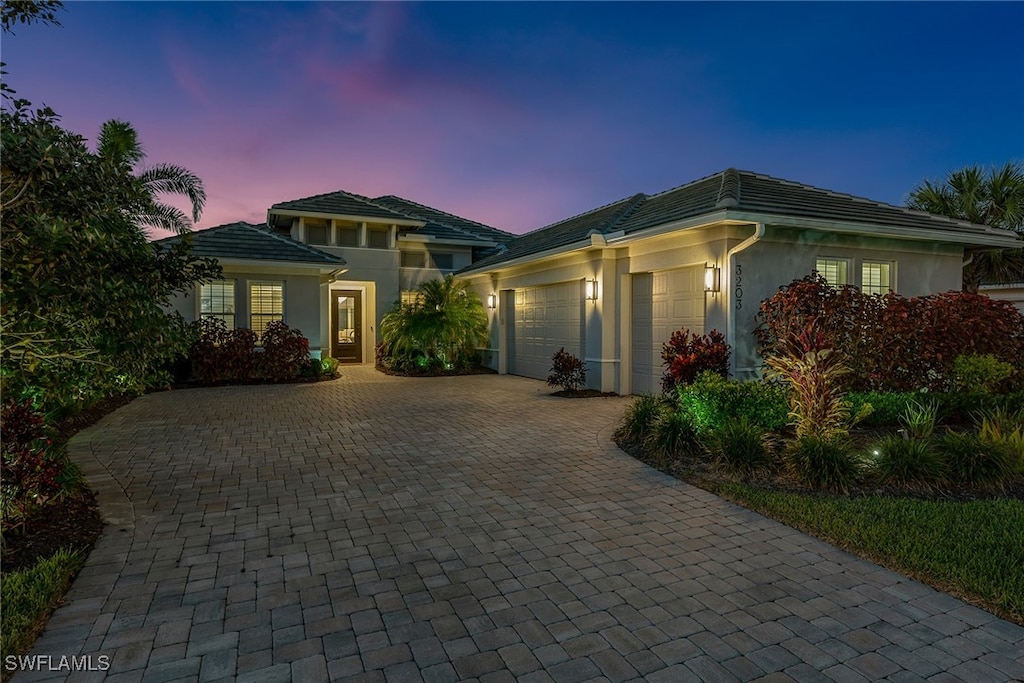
(730, 314)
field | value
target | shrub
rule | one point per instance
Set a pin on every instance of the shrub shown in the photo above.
(887, 407)
(738, 446)
(672, 436)
(824, 463)
(640, 417)
(919, 419)
(329, 366)
(713, 400)
(1005, 429)
(979, 374)
(892, 342)
(813, 372)
(973, 461)
(220, 354)
(285, 352)
(908, 462)
(567, 371)
(32, 470)
(686, 355)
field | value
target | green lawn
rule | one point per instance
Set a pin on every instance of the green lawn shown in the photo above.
(974, 550)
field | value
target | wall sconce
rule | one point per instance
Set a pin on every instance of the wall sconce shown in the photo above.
(712, 279)
(492, 301)
(591, 290)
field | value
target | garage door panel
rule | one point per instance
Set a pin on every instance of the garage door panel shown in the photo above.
(546, 319)
(663, 302)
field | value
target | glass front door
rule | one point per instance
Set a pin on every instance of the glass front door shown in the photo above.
(346, 326)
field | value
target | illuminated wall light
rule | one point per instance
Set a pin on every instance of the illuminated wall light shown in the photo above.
(591, 290)
(492, 301)
(712, 279)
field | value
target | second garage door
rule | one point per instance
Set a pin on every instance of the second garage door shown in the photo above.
(546, 319)
(663, 302)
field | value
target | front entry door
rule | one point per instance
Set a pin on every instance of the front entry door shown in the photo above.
(346, 326)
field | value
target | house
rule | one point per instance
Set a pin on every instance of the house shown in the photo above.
(1011, 291)
(612, 284)
(331, 266)
(609, 285)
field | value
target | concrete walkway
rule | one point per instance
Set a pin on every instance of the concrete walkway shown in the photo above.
(449, 529)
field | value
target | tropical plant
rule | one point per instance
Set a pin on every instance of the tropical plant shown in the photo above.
(824, 463)
(739, 446)
(979, 373)
(813, 372)
(442, 331)
(909, 462)
(1004, 428)
(567, 371)
(640, 417)
(686, 355)
(994, 198)
(918, 419)
(672, 436)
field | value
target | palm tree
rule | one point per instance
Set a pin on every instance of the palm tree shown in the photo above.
(119, 145)
(995, 198)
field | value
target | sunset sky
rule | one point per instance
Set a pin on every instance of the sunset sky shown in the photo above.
(519, 115)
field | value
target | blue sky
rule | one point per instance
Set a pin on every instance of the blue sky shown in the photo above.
(521, 114)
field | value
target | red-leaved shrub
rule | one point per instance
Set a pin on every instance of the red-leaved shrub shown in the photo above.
(223, 355)
(891, 342)
(567, 371)
(29, 476)
(686, 355)
(285, 352)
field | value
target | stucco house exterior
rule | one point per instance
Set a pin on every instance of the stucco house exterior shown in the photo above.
(612, 284)
(609, 285)
(331, 266)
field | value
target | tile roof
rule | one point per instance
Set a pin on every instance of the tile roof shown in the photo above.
(443, 224)
(730, 190)
(340, 203)
(247, 241)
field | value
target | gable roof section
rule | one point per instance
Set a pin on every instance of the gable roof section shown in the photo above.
(443, 224)
(243, 240)
(742, 193)
(340, 203)
(602, 220)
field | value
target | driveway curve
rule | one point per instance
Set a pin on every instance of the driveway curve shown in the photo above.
(397, 529)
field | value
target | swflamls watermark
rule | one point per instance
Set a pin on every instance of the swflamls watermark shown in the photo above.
(57, 663)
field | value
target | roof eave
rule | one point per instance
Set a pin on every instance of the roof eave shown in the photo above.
(278, 263)
(346, 217)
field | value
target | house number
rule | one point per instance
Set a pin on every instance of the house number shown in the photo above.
(738, 292)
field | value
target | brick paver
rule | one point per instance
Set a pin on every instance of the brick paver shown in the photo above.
(436, 529)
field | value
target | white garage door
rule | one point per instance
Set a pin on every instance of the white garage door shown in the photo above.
(546, 319)
(663, 302)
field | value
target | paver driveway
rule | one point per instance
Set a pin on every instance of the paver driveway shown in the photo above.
(465, 528)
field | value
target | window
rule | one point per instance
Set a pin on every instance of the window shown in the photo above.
(411, 297)
(217, 300)
(266, 304)
(317, 231)
(442, 261)
(414, 259)
(834, 270)
(377, 238)
(876, 277)
(348, 235)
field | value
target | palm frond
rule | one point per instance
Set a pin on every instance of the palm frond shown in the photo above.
(119, 143)
(173, 179)
(165, 217)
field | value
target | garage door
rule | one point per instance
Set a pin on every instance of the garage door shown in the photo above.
(546, 319)
(663, 302)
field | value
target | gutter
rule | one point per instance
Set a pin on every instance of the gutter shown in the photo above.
(730, 313)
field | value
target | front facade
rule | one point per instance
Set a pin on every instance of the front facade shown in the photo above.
(610, 285)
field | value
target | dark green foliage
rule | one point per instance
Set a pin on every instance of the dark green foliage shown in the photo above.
(909, 462)
(567, 371)
(972, 547)
(973, 461)
(673, 435)
(28, 11)
(739, 446)
(640, 416)
(953, 408)
(713, 400)
(886, 406)
(440, 332)
(824, 463)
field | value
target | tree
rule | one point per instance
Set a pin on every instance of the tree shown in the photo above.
(995, 198)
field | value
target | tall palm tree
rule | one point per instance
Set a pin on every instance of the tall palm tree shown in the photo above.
(119, 145)
(995, 198)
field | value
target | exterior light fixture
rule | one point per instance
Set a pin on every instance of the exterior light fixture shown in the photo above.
(492, 301)
(712, 279)
(591, 290)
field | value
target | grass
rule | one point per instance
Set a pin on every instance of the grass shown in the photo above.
(30, 596)
(973, 550)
